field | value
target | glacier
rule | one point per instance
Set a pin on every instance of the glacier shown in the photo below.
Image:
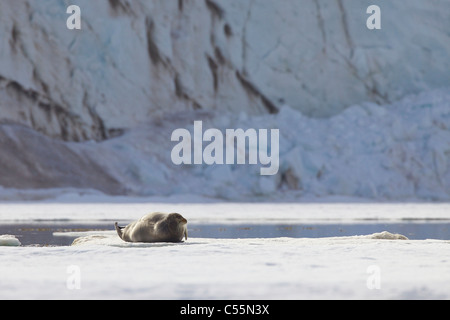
(361, 113)
(395, 152)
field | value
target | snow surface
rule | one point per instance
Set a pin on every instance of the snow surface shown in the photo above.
(277, 268)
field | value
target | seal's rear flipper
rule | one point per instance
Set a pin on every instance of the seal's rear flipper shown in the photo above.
(119, 230)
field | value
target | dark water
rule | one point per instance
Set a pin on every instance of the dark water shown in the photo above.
(414, 231)
(41, 234)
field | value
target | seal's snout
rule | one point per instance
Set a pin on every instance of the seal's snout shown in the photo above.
(179, 218)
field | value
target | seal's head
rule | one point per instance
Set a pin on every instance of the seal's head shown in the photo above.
(178, 224)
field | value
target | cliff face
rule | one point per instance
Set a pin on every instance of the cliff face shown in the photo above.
(134, 60)
(33, 161)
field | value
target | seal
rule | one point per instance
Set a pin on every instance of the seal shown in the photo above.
(155, 227)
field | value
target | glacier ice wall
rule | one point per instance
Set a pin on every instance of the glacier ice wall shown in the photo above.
(95, 108)
(136, 59)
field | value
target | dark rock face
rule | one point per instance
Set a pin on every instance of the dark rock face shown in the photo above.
(29, 160)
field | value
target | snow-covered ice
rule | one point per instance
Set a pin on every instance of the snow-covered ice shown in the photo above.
(257, 268)
(7, 240)
(281, 268)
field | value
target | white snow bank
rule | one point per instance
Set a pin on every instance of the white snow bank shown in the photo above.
(9, 241)
(278, 268)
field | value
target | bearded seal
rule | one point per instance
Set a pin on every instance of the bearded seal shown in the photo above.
(155, 227)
